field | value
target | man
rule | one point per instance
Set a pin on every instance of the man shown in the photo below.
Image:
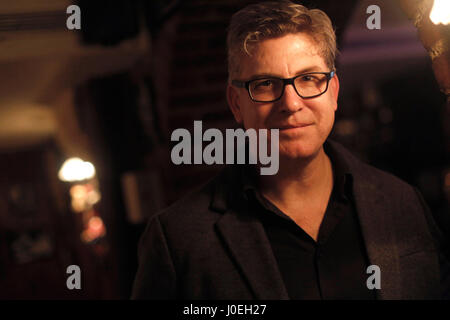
(314, 229)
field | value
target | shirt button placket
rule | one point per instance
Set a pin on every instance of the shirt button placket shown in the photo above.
(317, 261)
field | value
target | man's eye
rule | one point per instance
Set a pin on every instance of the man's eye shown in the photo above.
(308, 78)
(264, 83)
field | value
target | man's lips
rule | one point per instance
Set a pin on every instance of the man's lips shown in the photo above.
(287, 127)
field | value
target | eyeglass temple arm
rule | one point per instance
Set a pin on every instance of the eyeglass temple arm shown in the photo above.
(237, 83)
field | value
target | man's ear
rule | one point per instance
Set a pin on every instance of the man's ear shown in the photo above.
(334, 86)
(233, 103)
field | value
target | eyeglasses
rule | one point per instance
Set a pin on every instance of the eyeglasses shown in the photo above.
(307, 85)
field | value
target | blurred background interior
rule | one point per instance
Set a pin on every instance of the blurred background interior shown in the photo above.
(110, 95)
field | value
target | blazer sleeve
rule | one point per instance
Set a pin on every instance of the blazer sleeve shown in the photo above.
(442, 245)
(155, 277)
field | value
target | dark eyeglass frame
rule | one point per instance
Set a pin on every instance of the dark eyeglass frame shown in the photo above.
(286, 81)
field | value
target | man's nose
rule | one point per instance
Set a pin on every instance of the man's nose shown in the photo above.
(290, 101)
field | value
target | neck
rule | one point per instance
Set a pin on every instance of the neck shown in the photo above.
(299, 179)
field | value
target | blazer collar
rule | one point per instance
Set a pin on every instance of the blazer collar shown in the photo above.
(248, 245)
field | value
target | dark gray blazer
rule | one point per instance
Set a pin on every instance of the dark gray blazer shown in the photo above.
(206, 247)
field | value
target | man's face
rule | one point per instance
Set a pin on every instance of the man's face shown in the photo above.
(304, 123)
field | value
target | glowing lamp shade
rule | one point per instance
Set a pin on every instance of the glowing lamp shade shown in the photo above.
(75, 169)
(440, 13)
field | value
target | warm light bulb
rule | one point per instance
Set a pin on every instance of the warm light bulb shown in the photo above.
(440, 13)
(75, 169)
(95, 229)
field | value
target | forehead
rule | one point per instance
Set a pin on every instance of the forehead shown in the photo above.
(284, 56)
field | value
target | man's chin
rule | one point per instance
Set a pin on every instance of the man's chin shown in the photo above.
(299, 152)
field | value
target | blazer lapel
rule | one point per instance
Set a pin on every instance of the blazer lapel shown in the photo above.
(245, 238)
(379, 237)
(377, 225)
(249, 247)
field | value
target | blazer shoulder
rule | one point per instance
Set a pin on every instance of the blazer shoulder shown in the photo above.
(194, 207)
(386, 179)
(383, 180)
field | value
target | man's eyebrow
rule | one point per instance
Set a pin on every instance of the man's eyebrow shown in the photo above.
(310, 69)
(302, 71)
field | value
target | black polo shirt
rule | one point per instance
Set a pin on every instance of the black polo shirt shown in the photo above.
(335, 266)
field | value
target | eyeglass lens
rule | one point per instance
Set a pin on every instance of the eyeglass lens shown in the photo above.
(270, 89)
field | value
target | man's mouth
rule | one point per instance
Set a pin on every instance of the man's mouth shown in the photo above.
(296, 126)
